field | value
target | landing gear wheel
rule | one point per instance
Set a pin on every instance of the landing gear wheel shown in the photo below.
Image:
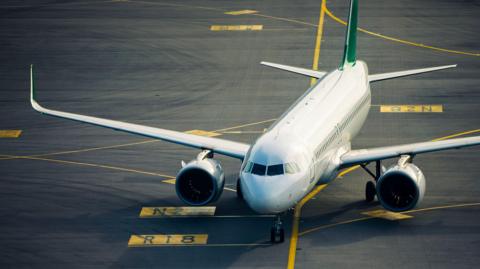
(277, 231)
(370, 191)
(274, 234)
(239, 190)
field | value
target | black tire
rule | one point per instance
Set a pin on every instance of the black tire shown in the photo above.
(282, 235)
(273, 236)
(370, 191)
(239, 190)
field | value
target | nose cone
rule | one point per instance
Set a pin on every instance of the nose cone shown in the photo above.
(267, 195)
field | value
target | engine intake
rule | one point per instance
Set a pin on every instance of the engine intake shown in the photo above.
(201, 181)
(401, 187)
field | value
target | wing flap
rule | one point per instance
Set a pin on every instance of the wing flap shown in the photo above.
(374, 154)
(296, 70)
(385, 76)
(220, 146)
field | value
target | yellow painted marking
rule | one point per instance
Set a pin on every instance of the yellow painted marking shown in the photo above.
(241, 12)
(244, 125)
(203, 133)
(406, 42)
(411, 108)
(296, 218)
(125, 145)
(236, 27)
(167, 239)
(333, 225)
(95, 165)
(152, 212)
(318, 42)
(384, 214)
(368, 218)
(298, 208)
(170, 181)
(10, 133)
(456, 135)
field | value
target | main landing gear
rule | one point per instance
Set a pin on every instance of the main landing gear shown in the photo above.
(370, 188)
(277, 231)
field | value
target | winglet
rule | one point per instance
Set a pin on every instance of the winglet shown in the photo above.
(350, 50)
(33, 96)
(32, 88)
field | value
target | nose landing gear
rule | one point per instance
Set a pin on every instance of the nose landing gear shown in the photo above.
(277, 231)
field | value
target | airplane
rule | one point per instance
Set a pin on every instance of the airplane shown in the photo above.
(307, 146)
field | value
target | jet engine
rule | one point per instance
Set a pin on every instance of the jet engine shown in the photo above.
(401, 187)
(200, 181)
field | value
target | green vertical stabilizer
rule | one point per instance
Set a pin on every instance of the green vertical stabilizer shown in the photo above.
(350, 51)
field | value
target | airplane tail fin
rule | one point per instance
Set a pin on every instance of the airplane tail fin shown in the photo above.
(350, 50)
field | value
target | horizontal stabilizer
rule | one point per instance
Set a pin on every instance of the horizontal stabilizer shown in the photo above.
(384, 76)
(297, 70)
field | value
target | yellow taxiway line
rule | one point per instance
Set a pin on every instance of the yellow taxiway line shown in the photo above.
(326, 226)
(398, 40)
(318, 42)
(297, 215)
(298, 208)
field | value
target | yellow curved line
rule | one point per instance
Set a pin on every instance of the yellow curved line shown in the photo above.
(335, 18)
(457, 135)
(368, 218)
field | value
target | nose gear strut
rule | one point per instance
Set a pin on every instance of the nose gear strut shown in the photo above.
(277, 230)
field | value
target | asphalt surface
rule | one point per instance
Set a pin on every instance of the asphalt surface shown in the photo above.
(157, 63)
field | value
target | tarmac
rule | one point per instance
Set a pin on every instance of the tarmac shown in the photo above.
(71, 195)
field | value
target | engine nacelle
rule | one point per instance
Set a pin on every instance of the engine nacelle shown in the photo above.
(200, 181)
(401, 187)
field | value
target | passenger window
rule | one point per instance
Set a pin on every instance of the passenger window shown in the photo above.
(291, 168)
(248, 167)
(259, 169)
(275, 170)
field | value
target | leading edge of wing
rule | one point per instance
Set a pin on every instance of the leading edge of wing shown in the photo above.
(385, 76)
(374, 154)
(220, 146)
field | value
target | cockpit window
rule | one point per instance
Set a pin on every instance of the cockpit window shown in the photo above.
(248, 167)
(275, 170)
(291, 168)
(259, 169)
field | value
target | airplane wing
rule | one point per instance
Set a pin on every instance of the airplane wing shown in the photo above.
(296, 70)
(385, 76)
(361, 156)
(220, 146)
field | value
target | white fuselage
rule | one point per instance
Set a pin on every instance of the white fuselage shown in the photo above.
(306, 141)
